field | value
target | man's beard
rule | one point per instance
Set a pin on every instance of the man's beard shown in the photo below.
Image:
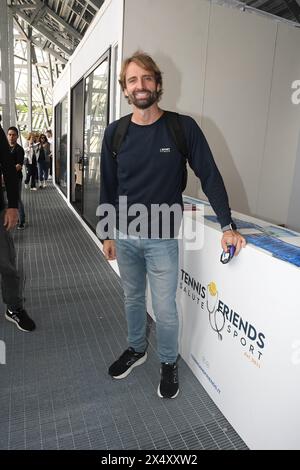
(152, 97)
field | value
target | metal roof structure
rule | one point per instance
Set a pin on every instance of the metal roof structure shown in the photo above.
(287, 9)
(58, 25)
(45, 35)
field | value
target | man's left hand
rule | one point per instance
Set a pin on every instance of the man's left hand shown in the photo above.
(232, 237)
(11, 217)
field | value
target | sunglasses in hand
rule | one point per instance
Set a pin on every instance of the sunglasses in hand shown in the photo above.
(227, 256)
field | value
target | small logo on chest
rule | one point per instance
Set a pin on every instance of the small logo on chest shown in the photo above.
(165, 150)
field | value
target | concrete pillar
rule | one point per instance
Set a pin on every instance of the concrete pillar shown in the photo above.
(7, 92)
(29, 80)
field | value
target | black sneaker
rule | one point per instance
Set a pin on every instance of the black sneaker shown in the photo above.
(21, 226)
(21, 319)
(168, 387)
(126, 362)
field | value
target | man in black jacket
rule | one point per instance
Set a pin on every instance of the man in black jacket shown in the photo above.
(10, 279)
(17, 154)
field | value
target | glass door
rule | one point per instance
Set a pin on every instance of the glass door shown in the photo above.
(57, 114)
(96, 120)
(61, 135)
(76, 165)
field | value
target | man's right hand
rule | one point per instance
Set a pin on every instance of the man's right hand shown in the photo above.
(109, 249)
(11, 217)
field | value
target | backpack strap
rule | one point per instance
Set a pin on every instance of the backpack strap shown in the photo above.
(120, 133)
(177, 132)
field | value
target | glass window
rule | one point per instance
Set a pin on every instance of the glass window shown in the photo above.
(115, 83)
(76, 157)
(96, 118)
(61, 147)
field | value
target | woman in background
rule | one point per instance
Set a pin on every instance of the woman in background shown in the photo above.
(31, 161)
(43, 158)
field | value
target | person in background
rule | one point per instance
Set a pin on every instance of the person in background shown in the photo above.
(50, 140)
(11, 284)
(148, 170)
(43, 158)
(31, 161)
(17, 153)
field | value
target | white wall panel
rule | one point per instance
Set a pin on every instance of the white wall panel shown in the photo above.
(237, 90)
(283, 130)
(175, 34)
(293, 218)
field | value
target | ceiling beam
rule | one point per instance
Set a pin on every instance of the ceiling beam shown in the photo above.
(21, 30)
(294, 8)
(39, 44)
(50, 71)
(49, 49)
(20, 58)
(41, 29)
(95, 3)
(42, 94)
(60, 20)
(24, 6)
(38, 14)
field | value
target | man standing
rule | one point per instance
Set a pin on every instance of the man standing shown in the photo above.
(17, 153)
(10, 279)
(148, 170)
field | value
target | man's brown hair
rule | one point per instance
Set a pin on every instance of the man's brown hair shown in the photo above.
(146, 62)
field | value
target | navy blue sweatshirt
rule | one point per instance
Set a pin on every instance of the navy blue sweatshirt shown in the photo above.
(148, 169)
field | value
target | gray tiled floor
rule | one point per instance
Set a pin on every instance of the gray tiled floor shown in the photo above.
(55, 392)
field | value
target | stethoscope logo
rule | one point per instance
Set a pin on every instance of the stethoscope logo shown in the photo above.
(216, 318)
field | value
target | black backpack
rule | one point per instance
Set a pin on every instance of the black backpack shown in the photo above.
(176, 131)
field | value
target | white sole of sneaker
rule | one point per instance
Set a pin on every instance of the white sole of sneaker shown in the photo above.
(137, 363)
(16, 323)
(161, 396)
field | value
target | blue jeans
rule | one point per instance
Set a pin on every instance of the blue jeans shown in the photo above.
(43, 169)
(159, 260)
